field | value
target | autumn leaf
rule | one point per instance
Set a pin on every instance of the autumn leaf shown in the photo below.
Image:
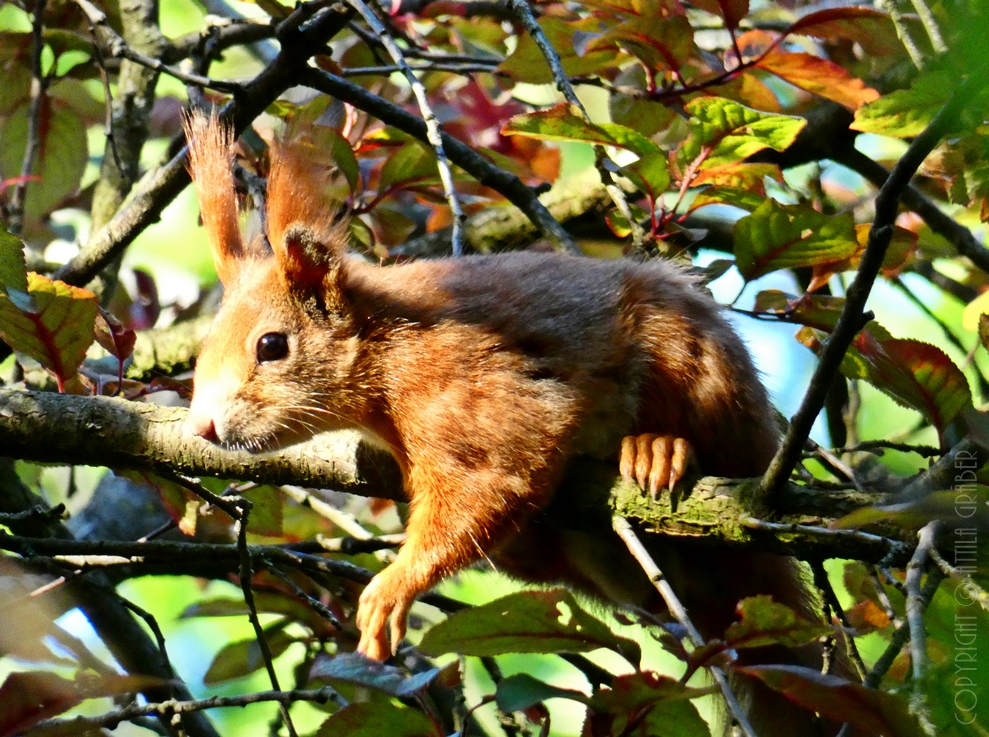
(872, 29)
(730, 132)
(658, 42)
(779, 236)
(905, 113)
(731, 10)
(901, 247)
(820, 77)
(56, 330)
(765, 622)
(872, 711)
(564, 123)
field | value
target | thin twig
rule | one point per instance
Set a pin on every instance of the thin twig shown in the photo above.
(116, 47)
(883, 597)
(915, 621)
(823, 582)
(852, 314)
(15, 210)
(973, 591)
(503, 182)
(246, 574)
(957, 234)
(522, 11)
(891, 7)
(433, 131)
(641, 555)
(930, 25)
(172, 707)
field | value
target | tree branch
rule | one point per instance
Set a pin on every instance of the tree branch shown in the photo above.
(53, 428)
(852, 314)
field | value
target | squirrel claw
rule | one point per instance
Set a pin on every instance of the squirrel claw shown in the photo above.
(379, 603)
(654, 461)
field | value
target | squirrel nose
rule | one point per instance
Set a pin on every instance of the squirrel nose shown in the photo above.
(203, 427)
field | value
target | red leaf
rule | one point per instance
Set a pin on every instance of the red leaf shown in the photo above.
(820, 77)
(871, 28)
(873, 712)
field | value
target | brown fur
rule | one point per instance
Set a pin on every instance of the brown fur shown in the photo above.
(483, 377)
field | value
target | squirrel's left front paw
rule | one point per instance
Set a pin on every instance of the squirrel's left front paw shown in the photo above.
(384, 599)
(654, 461)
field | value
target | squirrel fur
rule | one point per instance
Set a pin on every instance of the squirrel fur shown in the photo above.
(483, 377)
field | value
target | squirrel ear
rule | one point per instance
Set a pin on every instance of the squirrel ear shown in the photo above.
(211, 164)
(303, 228)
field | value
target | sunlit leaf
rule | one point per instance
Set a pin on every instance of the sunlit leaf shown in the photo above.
(872, 711)
(905, 113)
(57, 332)
(749, 177)
(820, 77)
(779, 236)
(527, 622)
(13, 273)
(619, 225)
(902, 246)
(815, 310)
(741, 198)
(732, 132)
(765, 622)
(563, 123)
(651, 174)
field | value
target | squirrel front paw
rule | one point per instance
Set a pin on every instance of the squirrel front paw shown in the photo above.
(654, 461)
(384, 599)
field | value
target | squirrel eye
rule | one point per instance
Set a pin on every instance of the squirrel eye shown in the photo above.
(272, 347)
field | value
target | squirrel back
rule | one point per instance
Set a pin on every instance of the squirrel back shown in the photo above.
(483, 377)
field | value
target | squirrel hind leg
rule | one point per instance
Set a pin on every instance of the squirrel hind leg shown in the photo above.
(654, 461)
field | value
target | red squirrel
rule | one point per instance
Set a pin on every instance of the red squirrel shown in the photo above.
(483, 376)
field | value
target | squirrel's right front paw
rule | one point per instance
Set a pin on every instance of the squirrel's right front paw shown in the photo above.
(383, 600)
(657, 460)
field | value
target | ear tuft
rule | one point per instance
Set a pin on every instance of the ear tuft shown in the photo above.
(211, 167)
(306, 234)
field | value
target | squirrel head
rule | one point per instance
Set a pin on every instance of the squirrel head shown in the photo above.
(275, 367)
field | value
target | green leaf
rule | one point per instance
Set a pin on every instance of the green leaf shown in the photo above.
(816, 310)
(63, 152)
(779, 236)
(651, 174)
(13, 272)
(905, 113)
(526, 622)
(413, 162)
(648, 704)
(57, 332)
(563, 123)
(527, 63)
(378, 720)
(734, 132)
(521, 691)
(266, 514)
(341, 153)
(619, 225)
(914, 373)
(241, 658)
(871, 711)
(659, 42)
(274, 602)
(764, 622)
(734, 196)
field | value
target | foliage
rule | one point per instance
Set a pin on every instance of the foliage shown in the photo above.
(728, 128)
